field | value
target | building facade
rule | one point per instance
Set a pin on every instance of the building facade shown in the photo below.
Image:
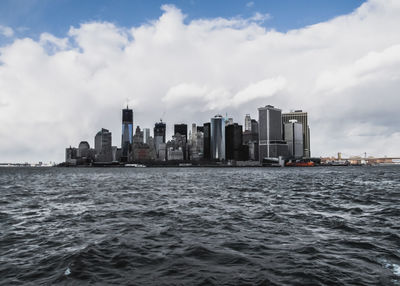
(102, 146)
(233, 142)
(207, 141)
(127, 133)
(293, 132)
(159, 139)
(217, 138)
(247, 123)
(181, 129)
(301, 117)
(271, 144)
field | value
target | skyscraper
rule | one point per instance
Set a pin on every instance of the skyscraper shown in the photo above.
(181, 129)
(247, 123)
(233, 141)
(293, 132)
(207, 141)
(159, 139)
(146, 135)
(301, 117)
(193, 133)
(218, 138)
(102, 146)
(271, 144)
(127, 133)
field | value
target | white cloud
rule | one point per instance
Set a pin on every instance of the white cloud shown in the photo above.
(6, 31)
(250, 4)
(55, 92)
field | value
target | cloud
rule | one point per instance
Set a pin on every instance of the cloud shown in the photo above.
(57, 91)
(250, 4)
(6, 31)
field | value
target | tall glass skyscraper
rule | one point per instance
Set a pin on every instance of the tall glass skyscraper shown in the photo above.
(218, 138)
(127, 133)
(271, 144)
(302, 118)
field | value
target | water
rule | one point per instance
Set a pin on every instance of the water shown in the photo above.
(192, 226)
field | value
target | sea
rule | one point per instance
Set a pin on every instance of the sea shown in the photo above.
(200, 226)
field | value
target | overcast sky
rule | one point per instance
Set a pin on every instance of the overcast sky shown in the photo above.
(59, 87)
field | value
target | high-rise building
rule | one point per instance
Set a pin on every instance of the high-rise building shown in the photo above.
(138, 137)
(254, 130)
(271, 144)
(127, 133)
(233, 141)
(228, 121)
(247, 123)
(207, 141)
(293, 132)
(102, 146)
(83, 149)
(71, 155)
(146, 135)
(181, 129)
(301, 117)
(194, 132)
(218, 138)
(159, 139)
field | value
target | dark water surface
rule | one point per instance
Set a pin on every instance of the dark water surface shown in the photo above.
(191, 226)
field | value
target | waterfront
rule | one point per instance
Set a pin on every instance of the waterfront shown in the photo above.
(235, 226)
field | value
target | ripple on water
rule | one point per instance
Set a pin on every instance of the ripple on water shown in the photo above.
(233, 226)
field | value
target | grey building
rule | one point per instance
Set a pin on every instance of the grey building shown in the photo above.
(233, 141)
(293, 132)
(102, 146)
(127, 133)
(301, 117)
(71, 155)
(181, 129)
(271, 144)
(217, 138)
(207, 141)
(146, 135)
(139, 136)
(83, 149)
(247, 123)
(159, 139)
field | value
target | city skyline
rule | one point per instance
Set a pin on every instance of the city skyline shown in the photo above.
(221, 140)
(58, 87)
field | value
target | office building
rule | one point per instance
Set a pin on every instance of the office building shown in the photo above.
(146, 135)
(301, 117)
(233, 141)
(159, 138)
(83, 149)
(194, 132)
(271, 144)
(102, 146)
(175, 154)
(181, 129)
(138, 137)
(207, 141)
(71, 155)
(127, 133)
(293, 132)
(229, 121)
(217, 138)
(247, 123)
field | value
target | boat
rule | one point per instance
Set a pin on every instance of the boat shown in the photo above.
(300, 164)
(135, 165)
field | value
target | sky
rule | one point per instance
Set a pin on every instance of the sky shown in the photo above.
(67, 68)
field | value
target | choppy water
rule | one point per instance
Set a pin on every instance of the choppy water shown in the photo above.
(188, 226)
